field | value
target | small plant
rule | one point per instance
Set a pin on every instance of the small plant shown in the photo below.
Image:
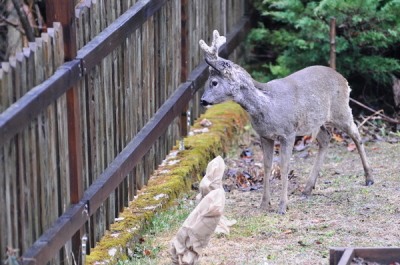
(147, 251)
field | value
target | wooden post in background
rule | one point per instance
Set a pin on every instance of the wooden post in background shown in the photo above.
(332, 34)
(64, 12)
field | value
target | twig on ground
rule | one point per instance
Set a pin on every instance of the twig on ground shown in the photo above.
(369, 117)
(323, 195)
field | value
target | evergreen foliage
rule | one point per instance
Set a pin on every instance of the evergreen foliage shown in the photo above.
(297, 33)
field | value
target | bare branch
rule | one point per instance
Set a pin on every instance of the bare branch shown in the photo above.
(24, 20)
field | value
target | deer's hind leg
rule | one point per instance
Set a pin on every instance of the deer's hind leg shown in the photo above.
(323, 138)
(351, 129)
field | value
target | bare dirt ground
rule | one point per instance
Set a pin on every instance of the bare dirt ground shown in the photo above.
(342, 211)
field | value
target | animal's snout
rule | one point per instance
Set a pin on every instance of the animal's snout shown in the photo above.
(205, 103)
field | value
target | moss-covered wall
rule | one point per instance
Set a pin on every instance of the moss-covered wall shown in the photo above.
(171, 179)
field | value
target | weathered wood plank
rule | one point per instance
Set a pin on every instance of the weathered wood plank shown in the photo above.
(127, 101)
(32, 103)
(49, 187)
(114, 35)
(11, 223)
(109, 133)
(347, 257)
(32, 154)
(3, 205)
(42, 143)
(138, 91)
(43, 136)
(68, 169)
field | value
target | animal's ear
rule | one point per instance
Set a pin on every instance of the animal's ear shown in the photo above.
(223, 67)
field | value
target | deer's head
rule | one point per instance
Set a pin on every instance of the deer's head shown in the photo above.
(224, 81)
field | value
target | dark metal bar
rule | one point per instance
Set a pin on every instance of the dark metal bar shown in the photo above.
(125, 161)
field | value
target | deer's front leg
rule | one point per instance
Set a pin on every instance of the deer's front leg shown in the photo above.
(267, 146)
(286, 149)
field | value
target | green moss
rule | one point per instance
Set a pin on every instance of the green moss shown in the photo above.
(228, 120)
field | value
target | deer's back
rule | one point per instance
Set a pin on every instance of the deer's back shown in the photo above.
(308, 98)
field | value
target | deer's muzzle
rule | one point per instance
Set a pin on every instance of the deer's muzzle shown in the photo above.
(205, 103)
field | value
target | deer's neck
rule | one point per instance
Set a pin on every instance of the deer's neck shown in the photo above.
(253, 99)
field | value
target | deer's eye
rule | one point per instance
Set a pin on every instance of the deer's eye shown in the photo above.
(214, 83)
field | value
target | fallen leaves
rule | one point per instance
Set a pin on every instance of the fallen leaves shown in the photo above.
(244, 174)
(317, 221)
(337, 137)
(351, 147)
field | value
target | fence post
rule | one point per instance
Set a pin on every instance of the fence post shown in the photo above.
(64, 12)
(185, 111)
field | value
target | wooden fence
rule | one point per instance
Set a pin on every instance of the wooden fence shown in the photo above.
(76, 147)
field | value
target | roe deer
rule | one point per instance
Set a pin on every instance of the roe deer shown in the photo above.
(297, 105)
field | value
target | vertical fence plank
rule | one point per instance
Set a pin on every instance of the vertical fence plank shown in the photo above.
(33, 151)
(3, 201)
(3, 158)
(49, 182)
(127, 85)
(82, 18)
(17, 73)
(43, 136)
(9, 238)
(42, 133)
(138, 91)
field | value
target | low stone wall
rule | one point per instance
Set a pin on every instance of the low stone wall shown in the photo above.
(173, 177)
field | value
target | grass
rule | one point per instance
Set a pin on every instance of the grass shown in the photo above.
(341, 212)
(170, 220)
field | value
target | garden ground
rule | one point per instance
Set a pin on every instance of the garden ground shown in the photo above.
(342, 211)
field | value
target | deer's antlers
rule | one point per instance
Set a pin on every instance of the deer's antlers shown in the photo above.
(212, 52)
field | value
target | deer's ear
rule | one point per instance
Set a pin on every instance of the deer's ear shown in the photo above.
(223, 67)
(214, 65)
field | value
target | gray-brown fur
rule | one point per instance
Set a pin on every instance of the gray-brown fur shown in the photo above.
(299, 104)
